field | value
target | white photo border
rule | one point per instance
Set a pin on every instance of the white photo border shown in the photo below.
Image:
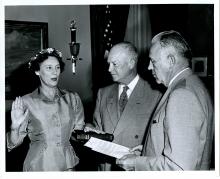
(79, 175)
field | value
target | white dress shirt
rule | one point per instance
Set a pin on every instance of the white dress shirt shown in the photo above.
(131, 86)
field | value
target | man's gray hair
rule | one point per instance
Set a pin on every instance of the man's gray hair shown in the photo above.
(130, 48)
(174, 39)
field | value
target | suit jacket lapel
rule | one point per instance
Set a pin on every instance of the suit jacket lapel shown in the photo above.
(162, 101)
(134, 100)
(112, 105)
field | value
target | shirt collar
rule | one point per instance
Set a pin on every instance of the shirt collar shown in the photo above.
(133, 83)
(131, 86)
(171, 81)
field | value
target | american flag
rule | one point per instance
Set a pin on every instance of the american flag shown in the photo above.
(108, 30)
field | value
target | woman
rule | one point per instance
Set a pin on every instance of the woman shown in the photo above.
(48, 116)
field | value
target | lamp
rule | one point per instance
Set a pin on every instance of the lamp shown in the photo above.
(74, 46)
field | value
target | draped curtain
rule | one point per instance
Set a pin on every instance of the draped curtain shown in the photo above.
(138, 30)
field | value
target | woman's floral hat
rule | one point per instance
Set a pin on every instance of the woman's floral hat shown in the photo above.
(47, 51)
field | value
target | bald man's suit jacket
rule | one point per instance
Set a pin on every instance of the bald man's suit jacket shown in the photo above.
(182, 128)
(129, 128)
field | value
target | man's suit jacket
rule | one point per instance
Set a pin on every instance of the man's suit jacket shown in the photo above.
(182, 128)
(129, 128)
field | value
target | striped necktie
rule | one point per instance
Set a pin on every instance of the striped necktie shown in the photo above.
(123, 99)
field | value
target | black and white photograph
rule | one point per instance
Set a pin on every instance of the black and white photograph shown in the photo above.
(93, 88)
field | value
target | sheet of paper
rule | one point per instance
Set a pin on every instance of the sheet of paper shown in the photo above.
(107, 148)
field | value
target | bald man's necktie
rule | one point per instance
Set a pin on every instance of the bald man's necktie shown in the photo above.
(123, 99)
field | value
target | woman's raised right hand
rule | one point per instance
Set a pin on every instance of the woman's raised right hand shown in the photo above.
(18, 113)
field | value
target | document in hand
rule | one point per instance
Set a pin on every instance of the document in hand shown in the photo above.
(107, 148)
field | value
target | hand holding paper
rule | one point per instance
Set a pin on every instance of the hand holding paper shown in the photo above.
(127, 162)
(137, 150)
